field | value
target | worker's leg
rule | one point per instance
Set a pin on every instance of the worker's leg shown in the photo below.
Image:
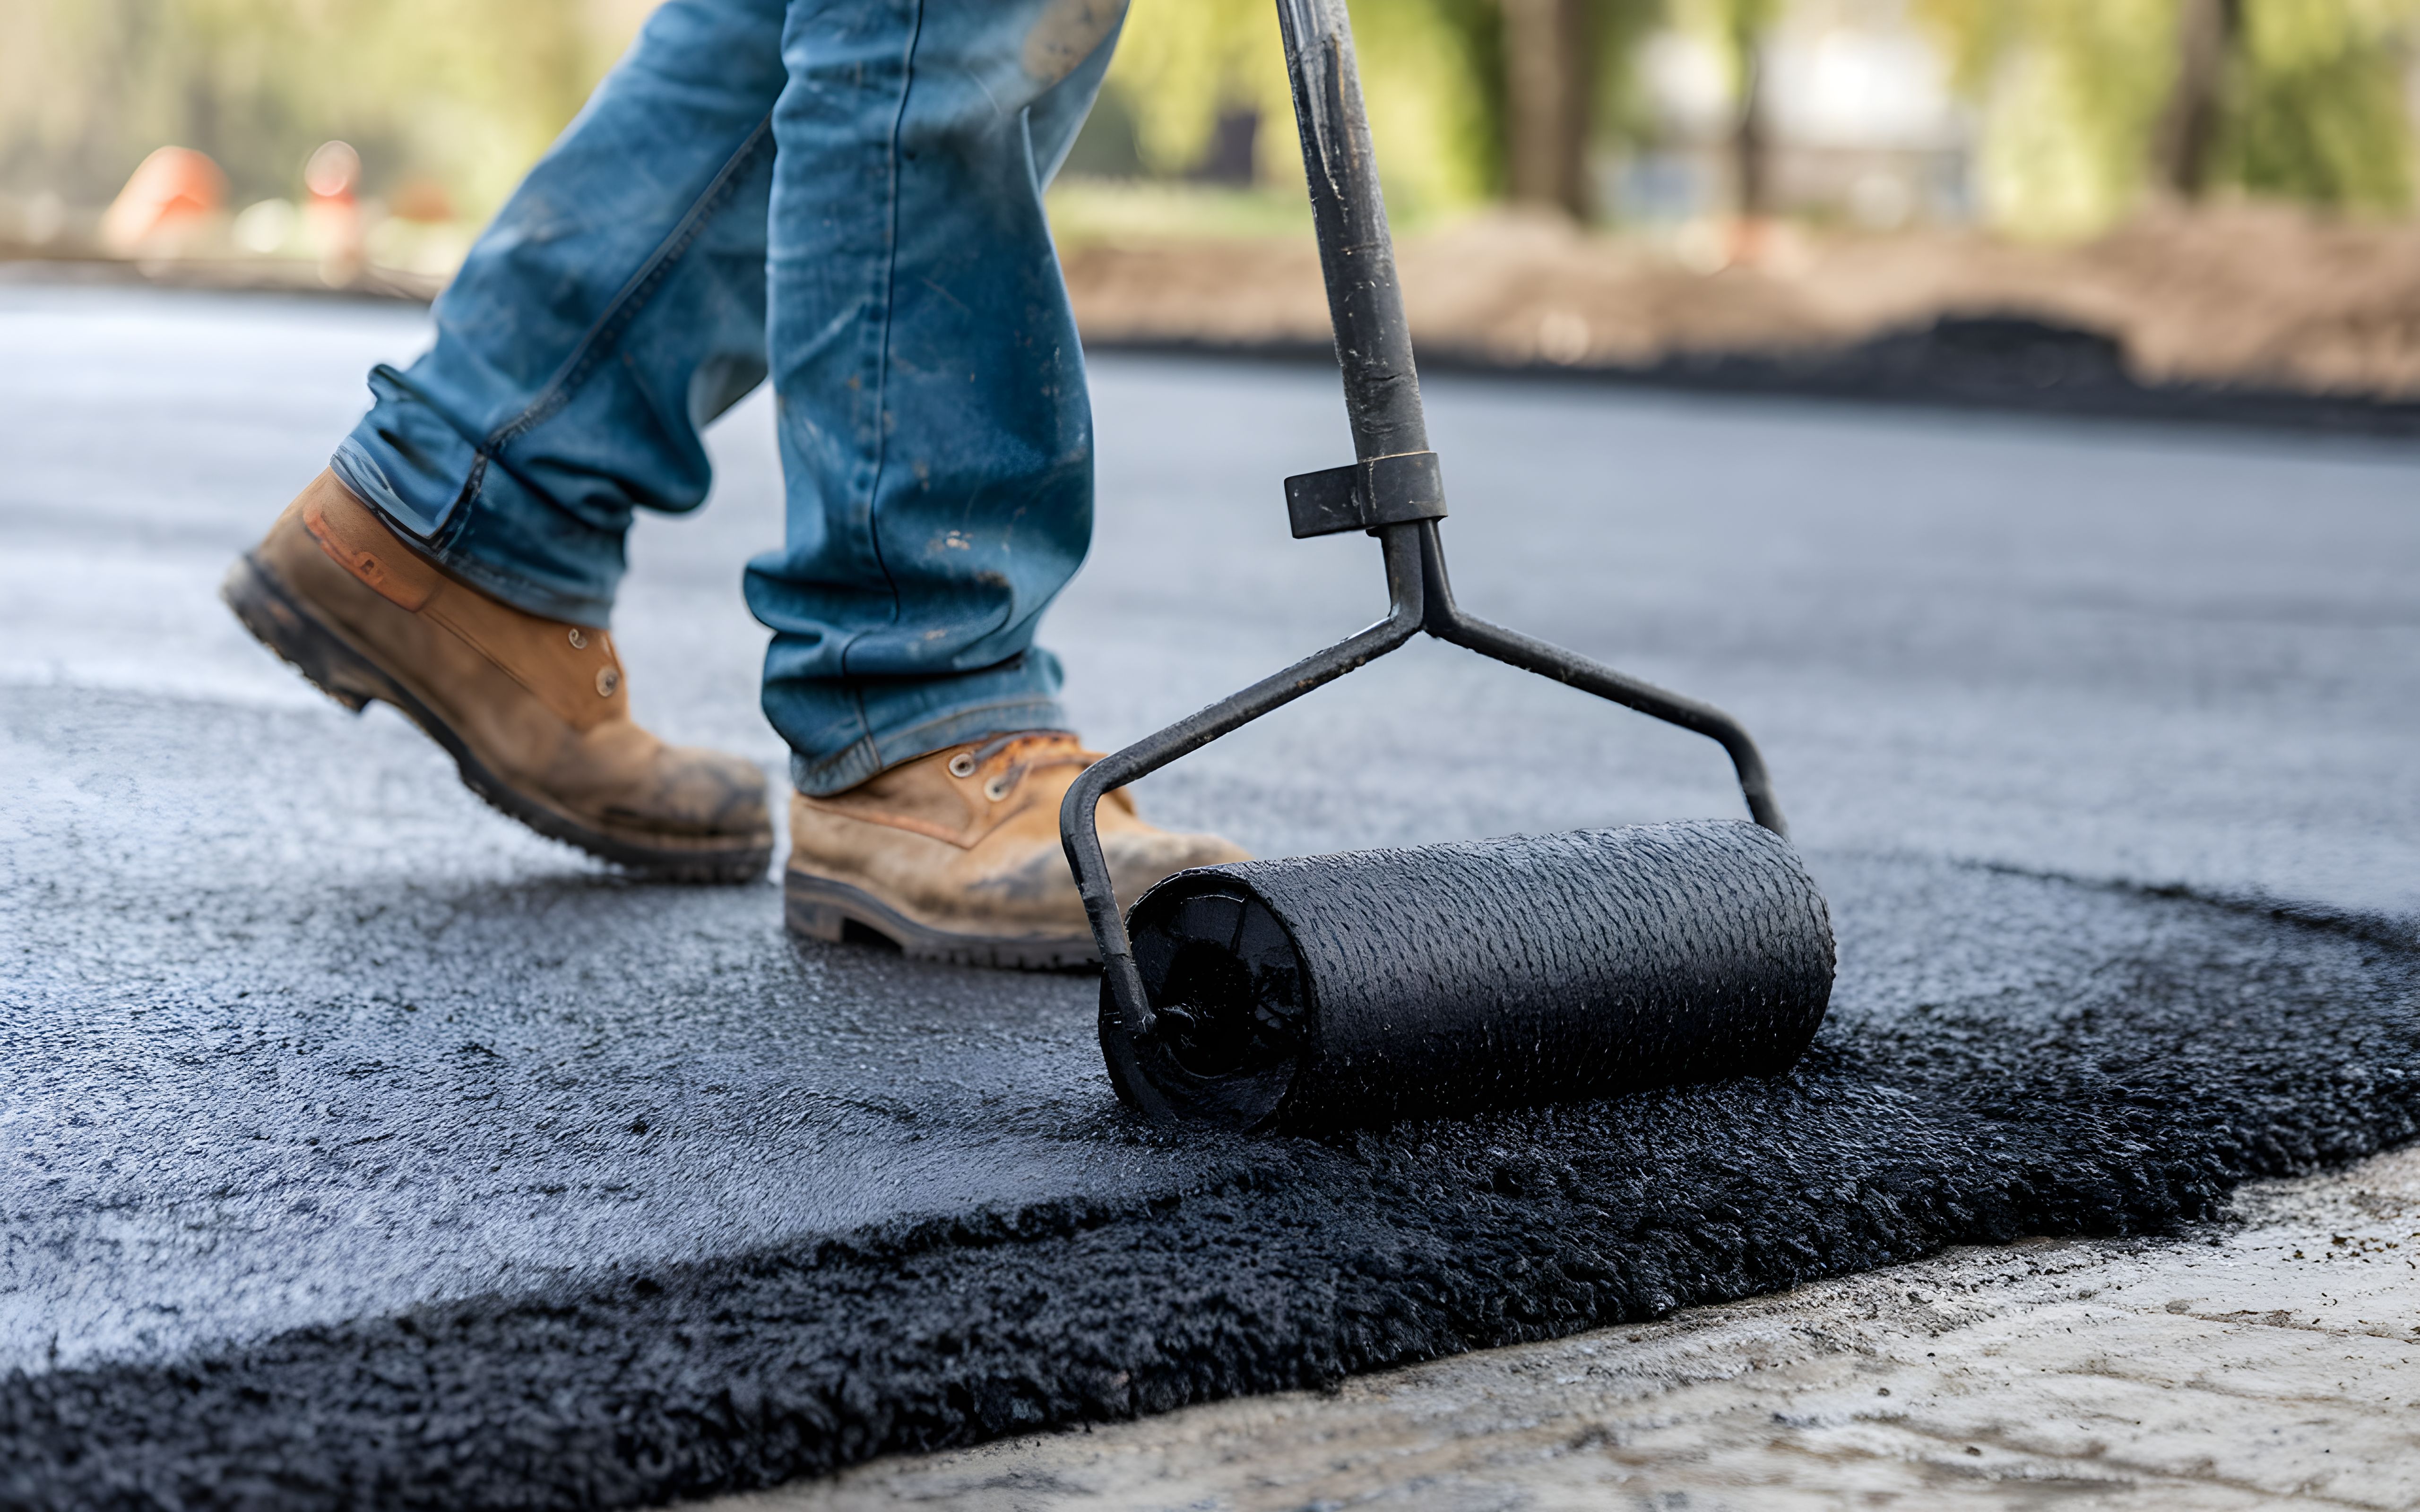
(459, 558)
(937, 445)
(615, 305)
(934, 425)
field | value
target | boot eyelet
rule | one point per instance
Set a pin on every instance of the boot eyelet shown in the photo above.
(996, 788)
(963, 764)
(608, 679)
(579, 641)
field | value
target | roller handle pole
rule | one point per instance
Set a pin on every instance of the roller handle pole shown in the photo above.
(1078, 813)
(1356, 257)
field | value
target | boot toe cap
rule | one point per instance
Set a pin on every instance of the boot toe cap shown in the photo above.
(705, 794)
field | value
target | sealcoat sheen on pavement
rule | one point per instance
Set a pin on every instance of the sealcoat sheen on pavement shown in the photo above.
(358, 1148)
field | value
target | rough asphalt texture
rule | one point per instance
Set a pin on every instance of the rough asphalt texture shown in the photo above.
(2266, 1361)
(359, 1148)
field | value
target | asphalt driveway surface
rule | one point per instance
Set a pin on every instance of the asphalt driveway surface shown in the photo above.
(360, 1147)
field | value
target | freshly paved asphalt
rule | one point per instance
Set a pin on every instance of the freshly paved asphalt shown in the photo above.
(360, 1147)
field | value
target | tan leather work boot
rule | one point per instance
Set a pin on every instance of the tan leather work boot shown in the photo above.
(535, 712)
(956, 855)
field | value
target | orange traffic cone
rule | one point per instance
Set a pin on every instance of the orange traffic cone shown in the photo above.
(173, 193)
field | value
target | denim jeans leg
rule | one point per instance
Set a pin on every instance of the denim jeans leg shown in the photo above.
(935, 430)
(615, 306)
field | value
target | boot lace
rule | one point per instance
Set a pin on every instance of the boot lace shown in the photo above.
(1067, 754)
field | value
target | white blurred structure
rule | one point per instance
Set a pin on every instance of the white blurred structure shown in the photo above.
(1859, 122)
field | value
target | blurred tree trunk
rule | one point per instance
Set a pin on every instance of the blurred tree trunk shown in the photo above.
(1549, 86)
(1735, 29)
(1749, 137)
(2207, 34)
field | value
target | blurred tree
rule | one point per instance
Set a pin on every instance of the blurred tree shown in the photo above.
(2070, 93)
(1180, 63)
(1737, 28)
(1468, 97)
(2185, 150)
(1427, 71)
(1550, 68)
(2320, 111)
(1568, 83)
(2086, 102)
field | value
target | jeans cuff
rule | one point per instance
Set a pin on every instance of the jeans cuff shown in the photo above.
(359, 472)
(820, 777)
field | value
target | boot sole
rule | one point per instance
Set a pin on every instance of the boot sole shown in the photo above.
(278, 620)
(822, 909)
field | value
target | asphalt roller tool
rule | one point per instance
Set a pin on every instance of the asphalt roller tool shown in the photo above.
(1330, 991)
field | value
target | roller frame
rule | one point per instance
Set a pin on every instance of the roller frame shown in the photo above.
(1394, 490)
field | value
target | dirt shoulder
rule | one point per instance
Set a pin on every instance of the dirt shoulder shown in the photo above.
(2248, 295)
(2252, 296)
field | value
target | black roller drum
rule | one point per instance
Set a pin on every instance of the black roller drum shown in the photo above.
(1376, 985)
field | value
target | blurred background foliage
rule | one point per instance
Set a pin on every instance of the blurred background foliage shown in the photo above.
(462, 95)
(2320, 108)
(2074, 113)
(2076, 105)
(2085, 106)
(1432, 75)
(2068, 92)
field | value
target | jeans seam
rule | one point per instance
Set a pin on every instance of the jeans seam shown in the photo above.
(882, 352)
(458, 514)
(628, 301)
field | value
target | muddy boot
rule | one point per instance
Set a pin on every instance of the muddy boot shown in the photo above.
(533, 712)
(956, 855)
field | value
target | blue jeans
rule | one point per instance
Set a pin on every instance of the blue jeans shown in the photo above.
(846, 194)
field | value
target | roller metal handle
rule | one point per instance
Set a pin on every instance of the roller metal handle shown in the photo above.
(1393, 489)
(1079, 823)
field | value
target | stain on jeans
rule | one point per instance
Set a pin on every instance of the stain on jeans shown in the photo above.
(1066, 34)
